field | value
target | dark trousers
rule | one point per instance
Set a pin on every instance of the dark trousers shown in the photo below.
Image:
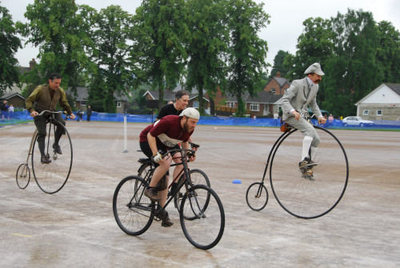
(40, 122)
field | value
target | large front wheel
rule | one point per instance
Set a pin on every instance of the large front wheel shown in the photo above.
(309, 197)
(202, 217)
(133, 211)
(52, 177)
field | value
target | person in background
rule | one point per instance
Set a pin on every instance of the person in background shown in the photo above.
(11, 111)
(175, 108)
(88, 112)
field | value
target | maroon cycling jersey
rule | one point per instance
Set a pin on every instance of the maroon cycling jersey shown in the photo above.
(167, 130)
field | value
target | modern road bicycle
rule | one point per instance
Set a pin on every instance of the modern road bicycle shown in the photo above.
(50, 177)
(201, 212)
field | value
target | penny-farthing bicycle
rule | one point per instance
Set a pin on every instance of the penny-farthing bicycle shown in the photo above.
(302, 197)
(50, 177)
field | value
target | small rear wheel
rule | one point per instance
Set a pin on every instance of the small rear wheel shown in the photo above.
(257, 196)
(23, 175)
(133, 211)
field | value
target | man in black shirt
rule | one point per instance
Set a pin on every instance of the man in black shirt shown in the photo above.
(181, 102)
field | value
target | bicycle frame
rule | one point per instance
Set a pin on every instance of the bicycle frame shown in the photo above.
(281, 137)
(185, 171)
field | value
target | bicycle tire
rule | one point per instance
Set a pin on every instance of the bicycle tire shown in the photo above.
(203, 225)
(197, 176)
(133, 211)
(257, 196)
(52, 177)
(304, 198)
(23, 176)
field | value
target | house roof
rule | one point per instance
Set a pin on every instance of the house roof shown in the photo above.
(8, 96)
(281, 81)
(393, 86)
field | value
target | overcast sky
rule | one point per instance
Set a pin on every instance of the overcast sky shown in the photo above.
(286, 18)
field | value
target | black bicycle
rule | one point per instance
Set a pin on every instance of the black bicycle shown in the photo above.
(197, 176)
(298, 195)
(201, 212)
(50, 177)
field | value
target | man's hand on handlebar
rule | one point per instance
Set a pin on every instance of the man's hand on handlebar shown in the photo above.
(157, 157)
(34, 113)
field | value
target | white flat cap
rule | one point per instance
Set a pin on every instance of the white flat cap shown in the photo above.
(314, 68)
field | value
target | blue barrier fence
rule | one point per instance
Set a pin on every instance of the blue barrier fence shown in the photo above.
(16, 117)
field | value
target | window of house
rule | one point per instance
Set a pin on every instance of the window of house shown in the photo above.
(230, 104)
(254, 107)
(378, 112)
(273, 90)
(119, 104)
(365, 112)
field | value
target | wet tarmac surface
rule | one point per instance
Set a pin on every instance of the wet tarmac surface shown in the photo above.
(76, 227)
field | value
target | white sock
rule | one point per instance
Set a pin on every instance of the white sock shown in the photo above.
(313, 153)
(306, 146)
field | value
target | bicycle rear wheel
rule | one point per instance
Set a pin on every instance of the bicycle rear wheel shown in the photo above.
(197, 177)
(202, 217)
(257, 196)
(133, 211)
(52, 177)
(23, 176)
(302, 197)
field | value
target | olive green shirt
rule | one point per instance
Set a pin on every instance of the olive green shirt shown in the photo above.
(41, 99)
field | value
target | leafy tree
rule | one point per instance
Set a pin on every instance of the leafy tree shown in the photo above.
(112, 35)
(9, 44)
(388, 51)
(58, 31)
(160, 31)
(247, 52)
(315, 44)
(207, 47)
(353, 70)
(279, 64)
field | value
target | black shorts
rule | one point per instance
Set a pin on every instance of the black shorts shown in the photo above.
(163, 183)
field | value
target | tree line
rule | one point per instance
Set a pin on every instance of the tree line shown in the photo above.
(203, 44)
(357, 55)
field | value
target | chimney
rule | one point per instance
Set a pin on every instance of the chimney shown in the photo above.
(32, 64)
(278, 74)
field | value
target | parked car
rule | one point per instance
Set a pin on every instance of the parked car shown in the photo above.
(356, 121)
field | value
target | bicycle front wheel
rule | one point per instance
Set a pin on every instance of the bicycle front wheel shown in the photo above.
(52, 177)
(202, 217)
(304, 197)
(197, 177)
(133, 211)
(257, 196)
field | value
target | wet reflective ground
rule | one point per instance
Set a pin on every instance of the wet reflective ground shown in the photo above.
(76, 227)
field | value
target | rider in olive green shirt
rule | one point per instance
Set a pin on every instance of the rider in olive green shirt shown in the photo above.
(46, 97)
